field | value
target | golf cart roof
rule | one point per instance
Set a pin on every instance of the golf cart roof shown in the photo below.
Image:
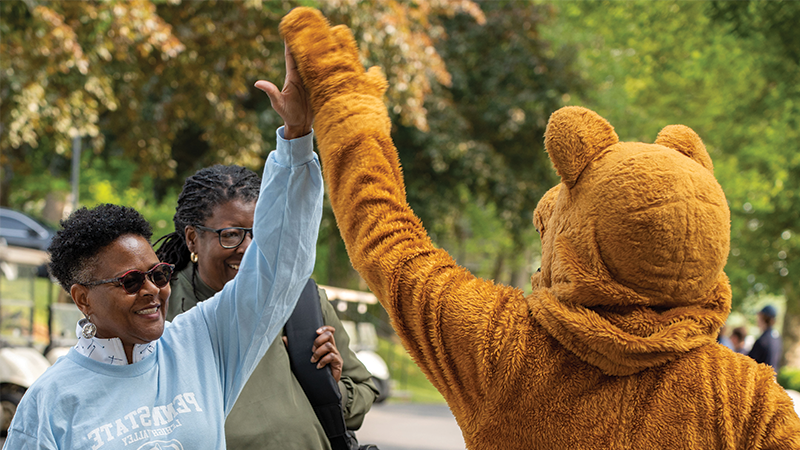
(22, 255)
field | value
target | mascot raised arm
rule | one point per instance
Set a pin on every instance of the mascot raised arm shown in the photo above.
(615, 347)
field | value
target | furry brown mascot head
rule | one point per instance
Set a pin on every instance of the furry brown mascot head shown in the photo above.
(634, 241)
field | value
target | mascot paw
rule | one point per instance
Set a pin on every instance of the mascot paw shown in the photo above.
(327, 58)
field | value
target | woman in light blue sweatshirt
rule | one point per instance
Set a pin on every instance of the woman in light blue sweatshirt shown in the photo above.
(136, 382)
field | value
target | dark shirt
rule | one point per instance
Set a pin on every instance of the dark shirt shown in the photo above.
(767, 349)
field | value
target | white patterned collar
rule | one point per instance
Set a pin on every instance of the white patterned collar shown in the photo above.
(110, 351)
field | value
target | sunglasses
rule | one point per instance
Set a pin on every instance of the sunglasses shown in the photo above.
(133, 280)
(230, 237)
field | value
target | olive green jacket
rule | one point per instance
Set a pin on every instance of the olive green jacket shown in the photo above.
(272, 411)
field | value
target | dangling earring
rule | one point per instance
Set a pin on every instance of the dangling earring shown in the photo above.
(88, 329)
(194, 257)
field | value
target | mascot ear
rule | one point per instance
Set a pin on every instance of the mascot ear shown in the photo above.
(686, 141)
(574, 137)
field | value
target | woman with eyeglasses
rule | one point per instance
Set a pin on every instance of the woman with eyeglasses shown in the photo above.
(135, 381)
(213, 223)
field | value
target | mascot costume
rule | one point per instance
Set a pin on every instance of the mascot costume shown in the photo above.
(615, 348)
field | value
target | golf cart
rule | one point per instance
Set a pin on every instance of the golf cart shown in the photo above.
(21, 362)
(363, 335)
(61, 322)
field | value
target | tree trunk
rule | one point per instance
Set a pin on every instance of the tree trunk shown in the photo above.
(5, 184)
(521, 275)
(499, 264)
(54, 204)
(791, 326)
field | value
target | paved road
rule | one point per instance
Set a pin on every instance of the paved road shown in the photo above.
(407, 426)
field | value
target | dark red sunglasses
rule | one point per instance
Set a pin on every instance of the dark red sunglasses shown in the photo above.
(133, 280)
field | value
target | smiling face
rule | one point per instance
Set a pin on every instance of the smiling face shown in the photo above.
(217, 265)
(136, 318)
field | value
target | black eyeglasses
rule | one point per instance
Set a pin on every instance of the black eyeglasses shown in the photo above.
(230, 237)
(133, 280)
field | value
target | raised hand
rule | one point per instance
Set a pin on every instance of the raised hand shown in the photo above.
(292, 102)
(346, 99)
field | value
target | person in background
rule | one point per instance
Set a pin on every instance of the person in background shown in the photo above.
(134, 381)
(723, 339)
(213, 223)
(768, 348)
(737, 340)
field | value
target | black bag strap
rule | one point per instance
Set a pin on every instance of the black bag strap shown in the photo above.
(318, 384)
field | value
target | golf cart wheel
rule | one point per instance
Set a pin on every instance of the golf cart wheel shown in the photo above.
(10, 396)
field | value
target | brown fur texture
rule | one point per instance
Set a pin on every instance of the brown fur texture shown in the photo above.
(615, 347)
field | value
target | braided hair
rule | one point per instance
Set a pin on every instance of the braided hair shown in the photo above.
(74, 248)
(202, 192)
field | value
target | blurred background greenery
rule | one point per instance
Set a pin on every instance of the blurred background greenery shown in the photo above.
(153, 90)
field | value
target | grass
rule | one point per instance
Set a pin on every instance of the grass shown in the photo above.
(789, 378)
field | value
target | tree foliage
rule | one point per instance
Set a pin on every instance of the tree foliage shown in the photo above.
(774, 22)
(767, 227)
(485, 144)
(168, 85)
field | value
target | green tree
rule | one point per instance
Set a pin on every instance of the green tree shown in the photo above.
(767, 226)
(773, 21)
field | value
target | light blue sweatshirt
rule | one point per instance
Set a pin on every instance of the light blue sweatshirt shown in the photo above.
(178, 397)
